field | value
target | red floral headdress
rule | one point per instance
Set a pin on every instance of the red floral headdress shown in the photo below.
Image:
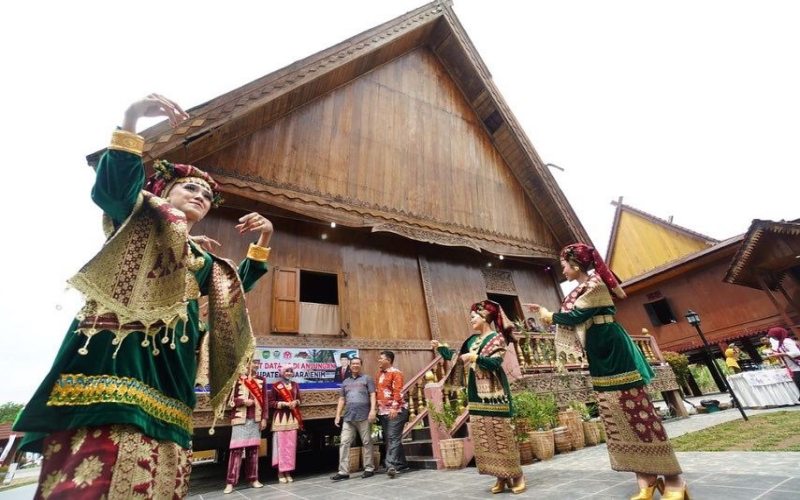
(491, 311)
(587, 258)
(168, 173)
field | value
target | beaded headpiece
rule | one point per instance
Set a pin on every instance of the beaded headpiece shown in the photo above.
(167, 174)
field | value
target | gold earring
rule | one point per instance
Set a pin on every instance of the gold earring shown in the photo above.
(576, 268)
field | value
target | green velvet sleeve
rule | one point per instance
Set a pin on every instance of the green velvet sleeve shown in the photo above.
(250, 271)
(119, 179)
(491, 363)
(577, 316)
(445, 352)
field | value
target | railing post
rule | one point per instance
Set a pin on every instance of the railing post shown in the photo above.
(434, 395)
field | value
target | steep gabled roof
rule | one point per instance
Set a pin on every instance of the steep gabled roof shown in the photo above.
(768, 251)
(231, 116)
(640, 242)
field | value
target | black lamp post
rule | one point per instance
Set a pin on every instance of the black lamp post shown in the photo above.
(694, 319)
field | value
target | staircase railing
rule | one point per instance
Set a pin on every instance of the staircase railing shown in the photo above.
(414, 391)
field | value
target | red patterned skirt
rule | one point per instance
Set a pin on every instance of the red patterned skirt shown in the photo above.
(113, 462)
(637, 442)
(496, 452)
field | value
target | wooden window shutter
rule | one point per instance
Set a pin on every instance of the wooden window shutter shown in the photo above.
(286, 300)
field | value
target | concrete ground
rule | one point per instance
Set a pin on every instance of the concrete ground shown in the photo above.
(582, 474)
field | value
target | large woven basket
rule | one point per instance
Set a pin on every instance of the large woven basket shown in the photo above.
(452, 451)
(572, 421)
(355, 458)
(562, 440)
(542, 444)
(525, 452)
(591, 433)
(601, 429)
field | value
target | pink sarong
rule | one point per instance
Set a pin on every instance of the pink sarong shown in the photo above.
(284, 450)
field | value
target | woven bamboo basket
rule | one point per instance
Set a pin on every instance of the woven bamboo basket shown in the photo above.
(452, 451)
(376, 456)
(591, 433)
(570, 419)
(562, 440)
(525, 452)
(355, 458)
(542, 444)
(601, 429)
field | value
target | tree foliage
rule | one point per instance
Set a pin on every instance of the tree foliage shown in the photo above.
(8, 411)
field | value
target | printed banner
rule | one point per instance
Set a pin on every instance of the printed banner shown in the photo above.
(313, 368)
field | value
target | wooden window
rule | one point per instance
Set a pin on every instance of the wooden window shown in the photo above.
(306, 302)
(286, 300)
(659, 312)
(509, 303)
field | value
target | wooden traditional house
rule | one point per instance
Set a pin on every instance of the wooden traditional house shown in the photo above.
(659, 297)
(402, 190)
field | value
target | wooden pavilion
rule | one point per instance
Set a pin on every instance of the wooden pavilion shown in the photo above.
(769, 260)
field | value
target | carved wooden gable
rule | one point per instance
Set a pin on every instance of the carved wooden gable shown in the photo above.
(400, 147)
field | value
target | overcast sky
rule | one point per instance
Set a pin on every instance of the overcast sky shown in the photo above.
(685, 108)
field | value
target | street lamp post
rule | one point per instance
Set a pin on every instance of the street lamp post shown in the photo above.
(694, 319)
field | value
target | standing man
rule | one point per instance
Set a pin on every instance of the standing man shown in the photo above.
(392, 412)
(343, 371)
(358, 393)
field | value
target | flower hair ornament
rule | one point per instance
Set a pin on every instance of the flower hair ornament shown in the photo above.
(167, 174)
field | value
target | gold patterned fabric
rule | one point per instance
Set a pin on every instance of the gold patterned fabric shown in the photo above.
(114, 462)
(496, 452)
(137, 282)
(122, 140)
(149, 290)
(79, 389)
(636, 438)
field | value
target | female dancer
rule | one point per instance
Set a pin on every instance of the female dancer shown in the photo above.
(490, 405)
(637, 442)
(114, 418)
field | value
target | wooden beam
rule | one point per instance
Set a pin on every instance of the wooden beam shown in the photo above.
(777, 305)
(430, 300)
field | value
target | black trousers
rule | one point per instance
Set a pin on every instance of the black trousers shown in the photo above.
(393, 439)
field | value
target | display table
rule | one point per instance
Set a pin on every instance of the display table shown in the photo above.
(762, 388)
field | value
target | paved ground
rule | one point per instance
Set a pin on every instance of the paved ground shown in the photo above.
(581, 474)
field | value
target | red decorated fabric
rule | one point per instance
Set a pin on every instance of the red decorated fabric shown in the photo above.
(255, 390)
(288, 397)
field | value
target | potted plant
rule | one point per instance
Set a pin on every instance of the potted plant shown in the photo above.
(525, 408)
(452, 450)
(542, 421)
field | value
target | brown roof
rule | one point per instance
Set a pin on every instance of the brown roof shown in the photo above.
(231, 116)
(769, 250)
(5, 431)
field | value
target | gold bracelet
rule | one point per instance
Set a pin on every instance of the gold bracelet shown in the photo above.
(122, 140)
(257, 253)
